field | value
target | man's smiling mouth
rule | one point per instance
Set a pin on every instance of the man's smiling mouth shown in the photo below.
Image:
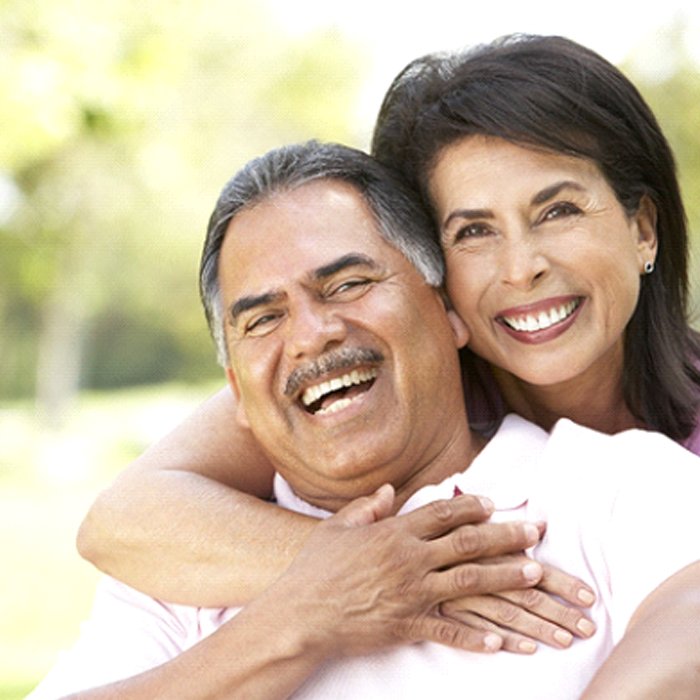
(335, 394)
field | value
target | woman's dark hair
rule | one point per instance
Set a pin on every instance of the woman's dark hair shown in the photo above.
(552, 93)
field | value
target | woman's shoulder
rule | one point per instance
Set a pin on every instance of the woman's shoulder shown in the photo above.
(692, 442)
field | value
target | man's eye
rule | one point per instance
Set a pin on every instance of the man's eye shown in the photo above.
(260, 324)
(560, 210)
(349, 286)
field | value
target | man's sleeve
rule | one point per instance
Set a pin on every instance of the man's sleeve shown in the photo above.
(126, 634)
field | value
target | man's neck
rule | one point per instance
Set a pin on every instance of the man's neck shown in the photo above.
(451, 451)
(455, 457)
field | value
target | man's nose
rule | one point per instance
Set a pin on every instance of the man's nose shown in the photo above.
(312, 328)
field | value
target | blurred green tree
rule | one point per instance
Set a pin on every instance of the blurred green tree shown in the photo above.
(668, 77)
(121, 120)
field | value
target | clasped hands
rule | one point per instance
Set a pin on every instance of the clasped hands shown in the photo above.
(366, 580)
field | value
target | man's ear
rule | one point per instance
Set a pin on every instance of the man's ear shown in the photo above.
(241, 415)
(647, 241)
(460, 331)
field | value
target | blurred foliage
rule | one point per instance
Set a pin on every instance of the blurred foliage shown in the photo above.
(47, 481)
(669, 80)
(121, 121)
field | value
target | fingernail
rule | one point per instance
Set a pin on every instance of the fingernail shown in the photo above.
(585, 596)
(527, 647)
(487, 504)
(492, 642)
(563, 637)
(585, 627)
(531, 532)
(532, 571)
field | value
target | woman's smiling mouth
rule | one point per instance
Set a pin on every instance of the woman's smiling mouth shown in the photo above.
(553, 315)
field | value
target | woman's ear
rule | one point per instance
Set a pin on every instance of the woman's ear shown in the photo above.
(647, 241)
(241, 415)
(459, 330)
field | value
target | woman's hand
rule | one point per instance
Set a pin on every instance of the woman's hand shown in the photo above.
(524, 617)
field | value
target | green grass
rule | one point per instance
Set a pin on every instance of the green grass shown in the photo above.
(47, 481)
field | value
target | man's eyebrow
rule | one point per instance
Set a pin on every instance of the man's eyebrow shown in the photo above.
(320, 273)
(349, 260)
(250, 302)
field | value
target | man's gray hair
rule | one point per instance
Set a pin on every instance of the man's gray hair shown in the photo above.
(401, 220)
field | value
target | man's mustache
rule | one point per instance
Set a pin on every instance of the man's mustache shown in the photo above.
(331, 361)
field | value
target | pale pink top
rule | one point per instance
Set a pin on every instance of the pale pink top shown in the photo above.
(596, 493)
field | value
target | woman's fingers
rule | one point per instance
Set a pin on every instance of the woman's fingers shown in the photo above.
(571, 589)
(510, 640)
(521, 614)
(558, 621)
(453, 633)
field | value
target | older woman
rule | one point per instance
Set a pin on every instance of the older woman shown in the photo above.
(557, 204)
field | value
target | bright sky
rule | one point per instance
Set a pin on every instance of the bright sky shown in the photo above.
(393, 32)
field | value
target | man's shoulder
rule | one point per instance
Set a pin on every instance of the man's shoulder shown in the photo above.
(634, 453)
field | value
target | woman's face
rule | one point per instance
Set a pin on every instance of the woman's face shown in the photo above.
(543, 263)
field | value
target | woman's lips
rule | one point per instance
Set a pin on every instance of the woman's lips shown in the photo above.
(542, 321)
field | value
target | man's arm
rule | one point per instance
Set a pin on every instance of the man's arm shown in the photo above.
(658, 655)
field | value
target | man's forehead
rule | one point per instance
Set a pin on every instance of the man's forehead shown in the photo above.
(300, 235)
(317, 220)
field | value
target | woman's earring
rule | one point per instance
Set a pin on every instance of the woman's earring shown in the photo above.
(648, 267)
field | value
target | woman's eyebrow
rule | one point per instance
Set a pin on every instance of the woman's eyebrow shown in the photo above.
(468, 214)
(540, 197)
(548, 193)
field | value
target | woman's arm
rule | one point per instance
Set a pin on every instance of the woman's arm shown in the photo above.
(186, 521)
(659, 655)
(318, 609)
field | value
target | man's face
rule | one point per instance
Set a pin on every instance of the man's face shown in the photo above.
(342, 356)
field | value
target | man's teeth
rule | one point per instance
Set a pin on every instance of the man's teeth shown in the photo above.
(357, 376)
(545, 319)
(334, 407)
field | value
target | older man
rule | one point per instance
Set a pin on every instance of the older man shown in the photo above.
(328, 311)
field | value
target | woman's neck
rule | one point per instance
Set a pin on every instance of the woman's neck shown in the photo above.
(596, 402)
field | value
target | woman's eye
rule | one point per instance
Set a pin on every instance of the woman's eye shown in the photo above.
(559, 210)
(472, 231)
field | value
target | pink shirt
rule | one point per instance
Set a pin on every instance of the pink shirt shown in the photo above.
(615, 519)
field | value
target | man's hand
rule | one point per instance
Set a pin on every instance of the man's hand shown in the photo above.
(365, 580)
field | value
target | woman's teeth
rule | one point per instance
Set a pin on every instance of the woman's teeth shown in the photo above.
(544, 319)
